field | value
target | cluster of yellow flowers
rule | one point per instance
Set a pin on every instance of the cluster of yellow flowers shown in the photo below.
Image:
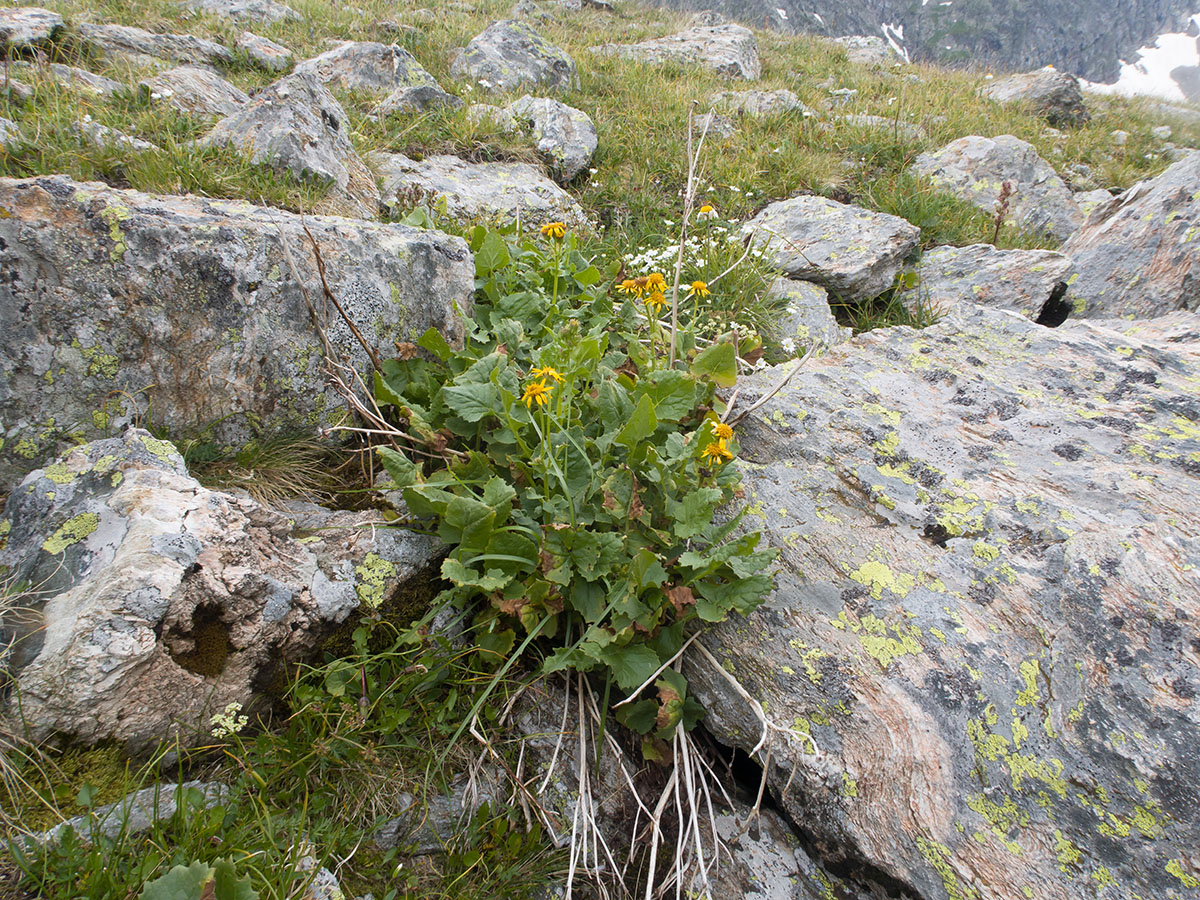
(651, 290)
(718, 451)
(538, 391)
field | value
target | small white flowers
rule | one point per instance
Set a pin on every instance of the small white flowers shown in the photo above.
(229, 722)
(788, 345)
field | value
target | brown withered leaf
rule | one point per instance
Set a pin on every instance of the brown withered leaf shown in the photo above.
(548, 561)
(754, 355)
(681, 598)
(512, 607)
(610, 500)
(629, 367)
(502, 349)
(406, 349)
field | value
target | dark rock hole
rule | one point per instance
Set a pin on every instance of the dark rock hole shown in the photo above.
(210, 643)
(1055, 310)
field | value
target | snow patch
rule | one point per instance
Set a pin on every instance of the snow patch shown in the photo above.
(1150, 74)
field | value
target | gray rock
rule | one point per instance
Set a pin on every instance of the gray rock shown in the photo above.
(28, 26)
(504, 191)
(975, 168)
(74, 78)
(17, 92)
(904, 130)
(842, 96)
(986, 607)
(125, 40)
(1090, 201)
(324, 884)
(262, 11)
(1138, 256)
(806, 321)
(430, 824)
(418, 98)
(850, 251)
(1053, 95)
(564, 136)
(1120, 138)
(714, 125)
(497, 116)
(1162, 132)
(509, 54)
(297, 126)
(761, 103)
(364, 66)
(195, 91)
(869, 50)
(728, 49)
(1023, 281)
(160, 603)
(138, 811)
(265, 53)
(98, 280)
(10, 134)
(100, 135)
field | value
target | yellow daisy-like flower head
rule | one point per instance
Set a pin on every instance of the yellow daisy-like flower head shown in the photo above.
(656, 301)
(707, 212)
(554, 230)
(722, 432)
(656, 282)
(547, 374)
(699, 288)
(632, 286)
(536, 392)
(717, 452)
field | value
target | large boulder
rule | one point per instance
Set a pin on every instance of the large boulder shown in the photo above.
(980, 661)
(728, 49)
(760, 103)
(974, 169)
(195, 91)
(1051, 94)
(509, 54)
(265, 53)
(28, 26)
(1030, 282)
(497, 191)
(297, 126)
(127, 41)
(852, 252)
(366, 66)
(154, 603)
(245, 10)
(564, 136)
(1139, 255)
(193, 313)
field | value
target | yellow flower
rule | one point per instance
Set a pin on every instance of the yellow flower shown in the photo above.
(632, 286)
(536, 392)
(717, 452)
(555, 230)
(656, 301)
(722, 432)
(656, 282)
(707, 212)
(547, 373)
(699, 287)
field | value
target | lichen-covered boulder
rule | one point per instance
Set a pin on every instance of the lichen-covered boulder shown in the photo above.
(974, 169)
(564, 136)
(806, 321)
(195, 91)
(1139, 254)
(265, 53)
(127, 41)
(249, 10)
(850, 251)
(488, 191)
(154, 603)
(366, 66)
(869, 50)
(297, 126)
(74, 78)
(1051, 94)
(188, 313)
(1030, 282)
(730, 50)
(28, 26)
(760, 103)
(509, 54)
(894, 128)
(981, 656)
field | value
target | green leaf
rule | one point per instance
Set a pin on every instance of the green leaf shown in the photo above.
(638, 716)
(631, 665)
(640, 426)
(589, 276)
(498, 642)
(741, 595)
(718, 363)
(180, 883)
(595, 554)
(492, 255)
(694, 512)
(229, 886)
(384, 393)
(399, 467)
(472, 401)
(454, 571)
(433, 341)
(614, 405)
(673, 393)
(467, 523)
(645, 570)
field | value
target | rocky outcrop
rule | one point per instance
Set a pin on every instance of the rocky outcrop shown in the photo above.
(564, 136)
(805, 320)
(981, 653)
(366, 66)
(974, 169)
(250, 10)
(96, 282)
(852, 252)
(728, 49)
(138, 811)
(1053, 95)
(100, 135)
(760, 103)
(509, 54)
(195, 91)
(297, 126)
(490, 191)
(1029, 282)
(156, 603)
(72, 77)
(28, 26)
(127, 41)
(265, 53)
(417, 98)
(869, 50)
(894, 128)
(1139, 255)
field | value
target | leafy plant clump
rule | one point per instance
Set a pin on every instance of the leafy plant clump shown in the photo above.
(576, 471)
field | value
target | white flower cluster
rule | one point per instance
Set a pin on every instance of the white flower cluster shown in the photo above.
(229, 722)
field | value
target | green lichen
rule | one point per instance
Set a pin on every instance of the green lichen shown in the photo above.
(71, 532)
(986, 552)
(1067, 853)
(59, 473)
(164, 450)
(373, 574)
(1030, 670)
(879, 577)
(114, 215)
(26, 448)
(1175, 867)
(849, 785)
(938, 856)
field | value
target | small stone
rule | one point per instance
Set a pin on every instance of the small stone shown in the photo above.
(1053, 95)
(1023, 281)
(106, 138)
(28, 26)
(1162, 132)
(74, 78)
(10, 134)
(1120, 138)
(263, 11)
(137, 812)
(869, 50)
(564, 136)
(714, 126)
(495, 116)
(265, 53)
(760, 103)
